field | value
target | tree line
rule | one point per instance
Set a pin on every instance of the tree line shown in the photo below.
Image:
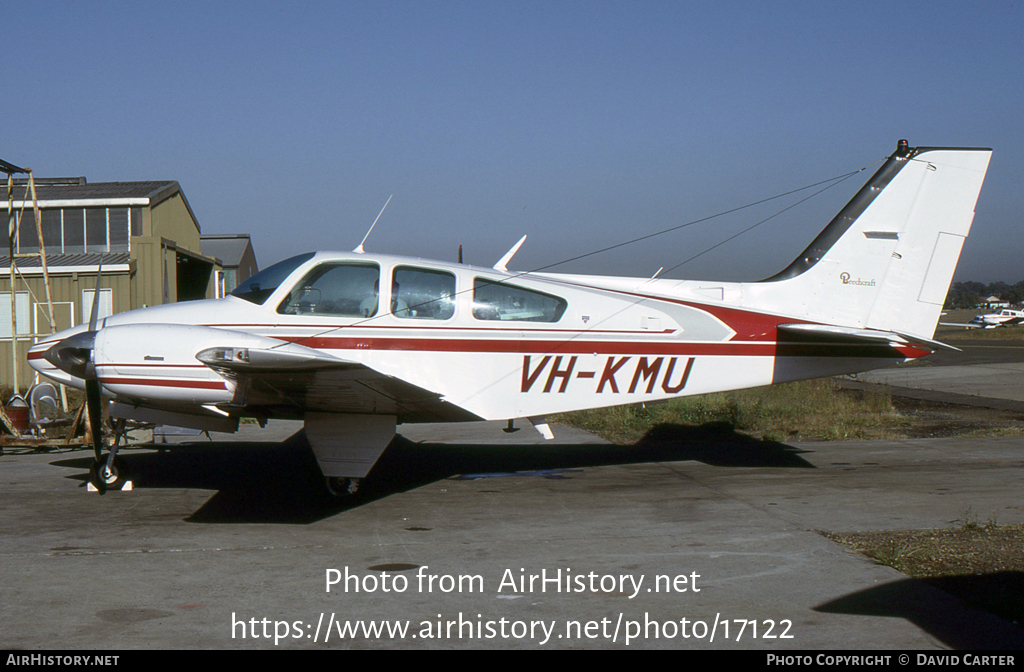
(969, 294)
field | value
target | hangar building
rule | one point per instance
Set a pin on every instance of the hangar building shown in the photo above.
(144, 233)
(237, 258)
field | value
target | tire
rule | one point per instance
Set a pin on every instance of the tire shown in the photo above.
(114, 480)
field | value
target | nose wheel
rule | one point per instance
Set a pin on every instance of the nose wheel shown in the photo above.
(110, 472)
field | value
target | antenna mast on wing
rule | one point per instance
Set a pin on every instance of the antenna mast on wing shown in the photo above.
(360, 249)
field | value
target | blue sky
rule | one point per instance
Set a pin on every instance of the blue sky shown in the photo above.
(581, 124)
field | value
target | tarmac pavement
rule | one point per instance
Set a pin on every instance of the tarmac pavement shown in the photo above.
(989, 374)
(219, 535)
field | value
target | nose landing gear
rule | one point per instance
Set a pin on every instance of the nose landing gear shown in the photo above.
(110, 473)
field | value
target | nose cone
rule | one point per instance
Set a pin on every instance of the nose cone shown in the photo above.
(37, 356)
(73, 355)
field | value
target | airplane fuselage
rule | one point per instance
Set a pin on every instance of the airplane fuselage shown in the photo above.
(495, 345)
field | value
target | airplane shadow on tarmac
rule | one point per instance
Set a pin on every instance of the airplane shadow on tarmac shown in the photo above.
(957, 627)
(281, 482)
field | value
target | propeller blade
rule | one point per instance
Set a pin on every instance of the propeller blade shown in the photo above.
(96, 298)
(93, 400)
(93, 406)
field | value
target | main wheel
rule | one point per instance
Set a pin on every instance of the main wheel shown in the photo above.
(340, 486)
(337, 485)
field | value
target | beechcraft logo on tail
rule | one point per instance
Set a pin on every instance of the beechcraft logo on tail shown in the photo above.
(642, 374)
(845, 277)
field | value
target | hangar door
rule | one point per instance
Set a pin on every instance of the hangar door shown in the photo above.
(193, 277)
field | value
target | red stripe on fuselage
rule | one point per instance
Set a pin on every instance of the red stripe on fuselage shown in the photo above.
(172, 366)
(162, 382)
(532, 347)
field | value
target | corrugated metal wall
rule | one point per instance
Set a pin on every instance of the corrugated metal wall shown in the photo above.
(66, 292)
(152, 281)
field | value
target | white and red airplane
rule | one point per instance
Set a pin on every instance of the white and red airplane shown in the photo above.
(1007, 317)
(354, 343)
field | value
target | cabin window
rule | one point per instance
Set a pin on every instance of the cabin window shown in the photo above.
(498, 301)
(336, 289)
(421, 294)
(257, 288)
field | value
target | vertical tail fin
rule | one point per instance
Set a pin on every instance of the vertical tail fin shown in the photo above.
(887, 259)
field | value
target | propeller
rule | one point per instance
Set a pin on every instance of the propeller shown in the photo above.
(92, 384)
(76, 355)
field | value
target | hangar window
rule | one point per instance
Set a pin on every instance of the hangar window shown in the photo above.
(117, 226)
(421, 294)
(79, 230)
(498, 301)
(22, 314)
(257, 288)
(335, 289)
(95, 230)
(74, 230)
(28, 237)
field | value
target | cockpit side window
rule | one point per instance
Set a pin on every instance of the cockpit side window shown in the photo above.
(338, 289)
(258, 287)
(422, 294)
(498, 301)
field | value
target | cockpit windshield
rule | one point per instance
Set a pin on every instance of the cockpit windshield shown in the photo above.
(257, 288)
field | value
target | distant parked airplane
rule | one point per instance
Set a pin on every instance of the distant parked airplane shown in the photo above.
(1004, 318)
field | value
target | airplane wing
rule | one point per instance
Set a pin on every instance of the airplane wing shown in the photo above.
(299, 379)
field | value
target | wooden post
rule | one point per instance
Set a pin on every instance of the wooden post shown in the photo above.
(11, 231)
(42, 251)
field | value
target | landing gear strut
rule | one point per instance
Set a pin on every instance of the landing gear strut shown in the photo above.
(110, 473)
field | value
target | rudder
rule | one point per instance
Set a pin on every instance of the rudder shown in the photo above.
(887, 259)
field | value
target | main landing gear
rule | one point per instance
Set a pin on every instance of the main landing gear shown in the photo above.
(340, 486)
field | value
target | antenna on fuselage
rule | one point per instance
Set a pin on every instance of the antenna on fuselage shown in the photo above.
(502, 264)
(360, 249)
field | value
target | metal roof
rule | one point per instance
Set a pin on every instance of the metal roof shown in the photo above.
(58, 260)
(77, 189)
(228, 247)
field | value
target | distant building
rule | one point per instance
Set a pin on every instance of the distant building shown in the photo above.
(236, 256)
(144, 233)
(995, 302)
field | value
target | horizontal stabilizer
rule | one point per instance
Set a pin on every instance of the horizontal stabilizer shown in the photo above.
(823, 333)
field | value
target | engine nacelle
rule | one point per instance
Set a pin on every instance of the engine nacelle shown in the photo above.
(158, 361)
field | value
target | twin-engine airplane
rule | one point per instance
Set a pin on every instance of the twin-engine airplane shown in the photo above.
(354, 343)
